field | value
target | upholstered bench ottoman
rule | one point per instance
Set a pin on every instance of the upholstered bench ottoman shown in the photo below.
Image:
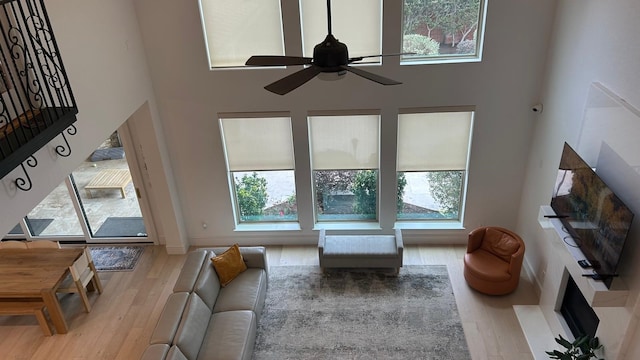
(363, 251)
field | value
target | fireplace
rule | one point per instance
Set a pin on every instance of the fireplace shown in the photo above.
(577, 312)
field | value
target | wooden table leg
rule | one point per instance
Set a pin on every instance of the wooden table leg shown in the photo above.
(55, 311)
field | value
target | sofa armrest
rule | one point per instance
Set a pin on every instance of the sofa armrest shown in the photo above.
(254, 256)
(517, 258)
(169, 319)
(399, 242)
(190, 271)
(155, 352)
(475, 239)
(321, 241)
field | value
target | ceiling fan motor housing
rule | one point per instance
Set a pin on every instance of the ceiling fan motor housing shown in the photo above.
(330, 55)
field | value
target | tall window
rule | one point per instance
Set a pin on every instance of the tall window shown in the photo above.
(259, 154)
(437, 30)
(362, 33)
(345, 162)
(235, 30)
(432, 155)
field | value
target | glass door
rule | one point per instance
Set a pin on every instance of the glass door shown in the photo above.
(107, 196)
(98, 202)
(54, 217)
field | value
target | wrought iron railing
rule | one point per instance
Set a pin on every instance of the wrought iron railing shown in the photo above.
(36, 101)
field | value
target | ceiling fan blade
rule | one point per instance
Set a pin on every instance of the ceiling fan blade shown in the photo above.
(371, 76)
(291, 82)
(276, 60)
(358, 58)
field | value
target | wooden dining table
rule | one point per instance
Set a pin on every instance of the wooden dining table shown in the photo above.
(37, 273)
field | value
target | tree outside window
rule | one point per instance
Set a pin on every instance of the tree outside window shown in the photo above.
(441, 27)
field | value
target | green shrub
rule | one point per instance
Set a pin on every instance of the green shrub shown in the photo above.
(330, 181)
(420, 44)
(466, 47)
(446, 188)
(252, 194)
(365, 186)
(402, 182)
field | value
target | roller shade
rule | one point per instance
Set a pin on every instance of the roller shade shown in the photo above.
(344, 142)
(433, 141)
(258, 143)
(235, 30)
(356, 23)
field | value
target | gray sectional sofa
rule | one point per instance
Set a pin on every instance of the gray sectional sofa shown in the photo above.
(202, 320)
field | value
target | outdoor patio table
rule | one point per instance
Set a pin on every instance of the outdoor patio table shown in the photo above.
(109, 179)
(37, 273)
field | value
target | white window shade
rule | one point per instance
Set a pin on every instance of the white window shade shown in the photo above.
(356, 23)
(258, 144)
(344, 142)
(236, 30)
(433, 141)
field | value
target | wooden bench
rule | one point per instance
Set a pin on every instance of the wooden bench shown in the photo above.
(109, 179)
(363, 251)
(27, 307)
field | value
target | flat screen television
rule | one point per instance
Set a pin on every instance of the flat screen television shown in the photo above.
(596, 219)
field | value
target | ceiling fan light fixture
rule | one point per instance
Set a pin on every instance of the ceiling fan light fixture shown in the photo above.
(330, 62)
(332, 76)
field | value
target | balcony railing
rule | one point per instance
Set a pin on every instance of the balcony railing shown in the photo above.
(36, 101)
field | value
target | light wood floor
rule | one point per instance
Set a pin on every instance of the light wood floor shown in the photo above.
(123, 317)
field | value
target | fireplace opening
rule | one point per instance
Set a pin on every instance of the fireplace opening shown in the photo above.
(577, 312)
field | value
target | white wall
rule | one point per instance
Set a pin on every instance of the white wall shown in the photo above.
(592, 41)
(502, 87)
(102, 51)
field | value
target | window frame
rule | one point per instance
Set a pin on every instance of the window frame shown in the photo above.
(408, 60)
(346, 222)
(293, 38)
(240, 224)
(417, 223)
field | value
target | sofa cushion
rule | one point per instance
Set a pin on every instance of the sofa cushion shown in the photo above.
(246, 292)
(175, 354)
(208, 284)
(500, 244)
(231, 335)
(229, 264)
(169, 319)
(193, 327)
(155, 352)
(190, 271)
(487, 266)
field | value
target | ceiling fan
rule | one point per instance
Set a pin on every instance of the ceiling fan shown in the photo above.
(329, 56)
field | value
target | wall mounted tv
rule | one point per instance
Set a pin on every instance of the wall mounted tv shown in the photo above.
(597, 220)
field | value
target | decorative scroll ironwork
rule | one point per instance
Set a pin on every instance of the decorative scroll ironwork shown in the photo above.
(21, 183)
(36, 101)
(65, 150)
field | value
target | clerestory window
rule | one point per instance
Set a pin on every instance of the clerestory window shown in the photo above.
(437, 31)
(442, 30)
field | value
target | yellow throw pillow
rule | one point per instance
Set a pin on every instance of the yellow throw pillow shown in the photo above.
(229, 264)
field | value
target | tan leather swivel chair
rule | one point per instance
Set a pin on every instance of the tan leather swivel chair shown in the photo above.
(493, 260)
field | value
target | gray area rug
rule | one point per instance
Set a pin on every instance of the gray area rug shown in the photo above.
(116, 258)
(108, 154)
(121, 227)
(360, 315)
(36, 226)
